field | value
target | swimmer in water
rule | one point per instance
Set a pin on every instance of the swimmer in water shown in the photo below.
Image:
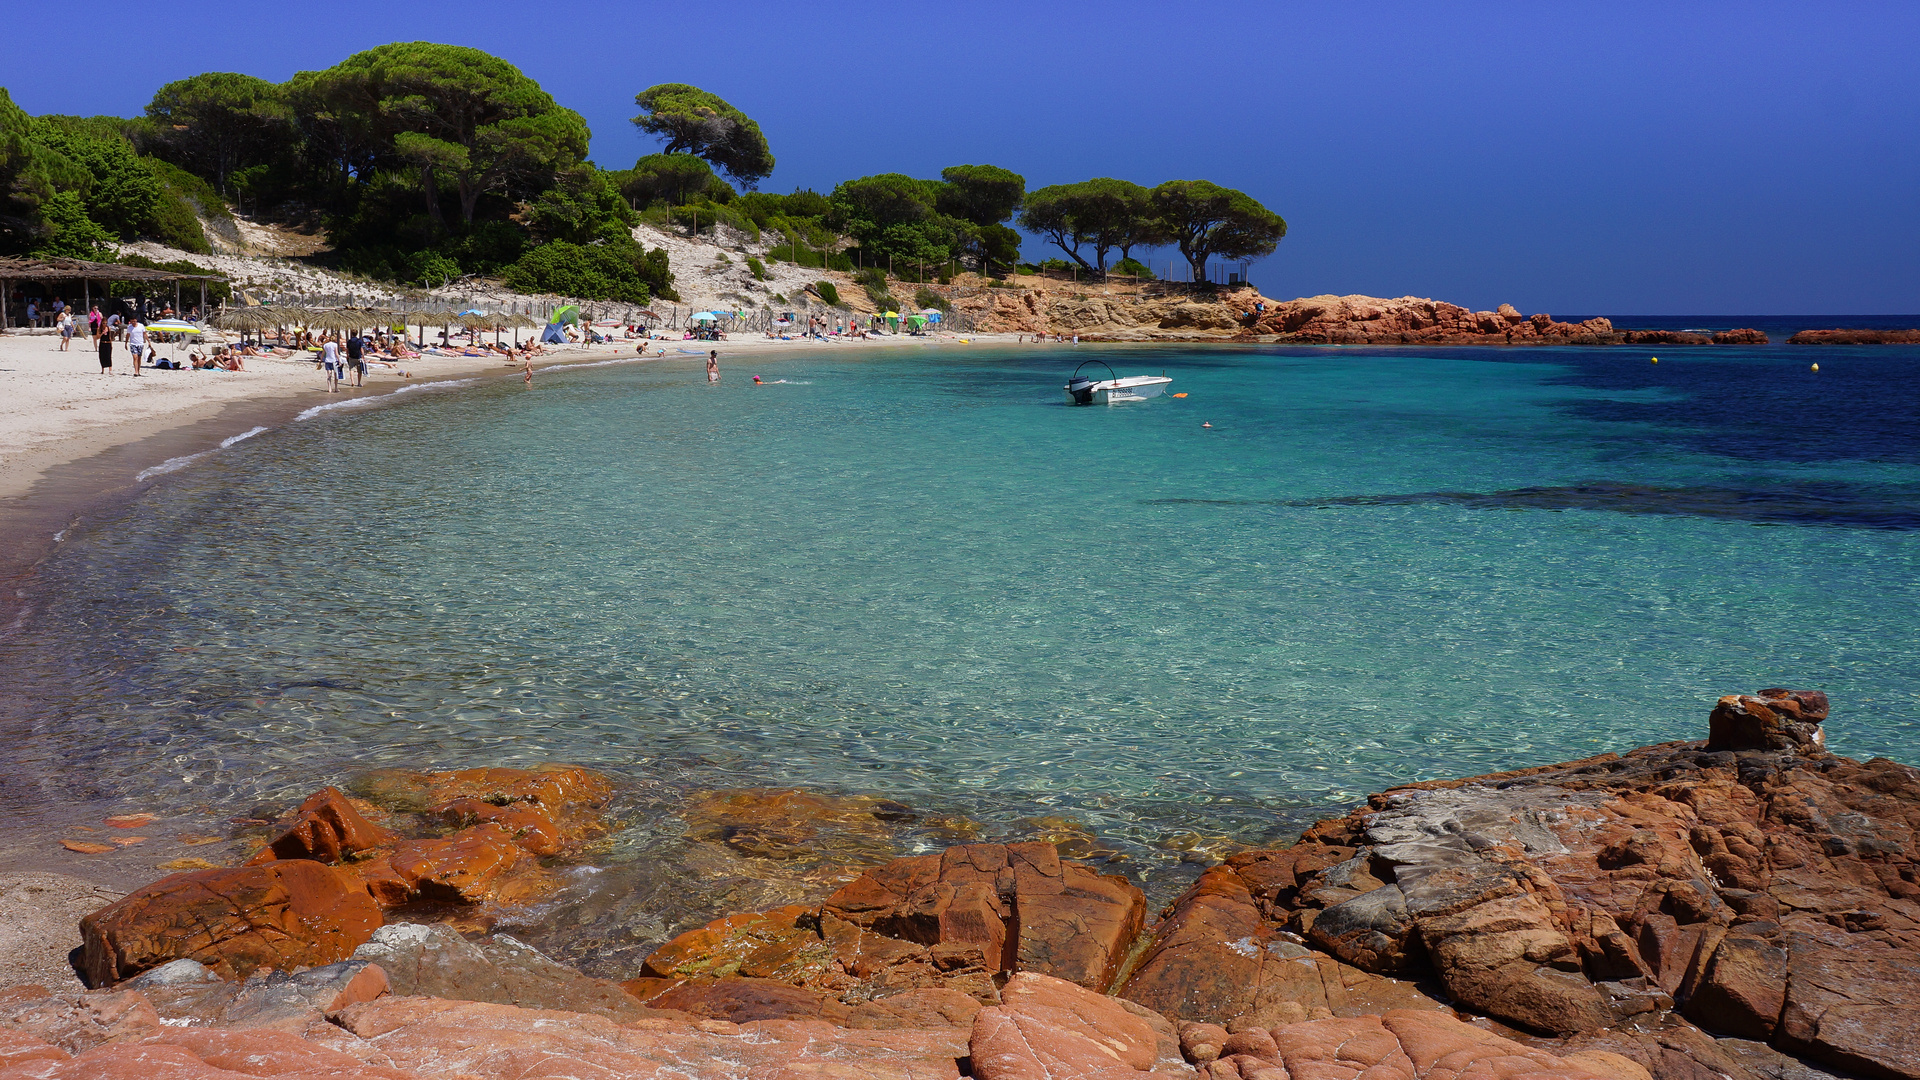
(1206, 423)
(756, 380)
(528, 361)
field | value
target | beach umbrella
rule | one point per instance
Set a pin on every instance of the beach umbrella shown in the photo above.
(570, 313)
(703, 316)
(173, 326)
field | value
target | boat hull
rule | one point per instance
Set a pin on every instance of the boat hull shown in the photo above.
(1123, 391)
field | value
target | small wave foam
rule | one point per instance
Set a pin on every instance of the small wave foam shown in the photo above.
(242, 437)
(170, 465)
(598, 363)
(354, 403)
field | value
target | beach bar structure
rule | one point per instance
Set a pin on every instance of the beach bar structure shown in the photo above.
(55, 271)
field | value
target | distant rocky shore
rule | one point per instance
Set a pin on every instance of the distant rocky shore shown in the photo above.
(1243, 315)
(1747, 908)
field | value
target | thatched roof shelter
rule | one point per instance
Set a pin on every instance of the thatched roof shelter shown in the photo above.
(80, 270)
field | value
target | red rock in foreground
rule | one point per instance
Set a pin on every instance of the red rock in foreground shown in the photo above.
(1045, 1029)
(280, 914)
(1767, 893)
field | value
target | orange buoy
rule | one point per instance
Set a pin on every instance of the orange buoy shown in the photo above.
(1183, 395)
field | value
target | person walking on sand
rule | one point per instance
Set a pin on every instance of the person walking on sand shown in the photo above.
(356, 358)
(713, 365)
(66, 330)
(136, 342)
(93, 322)
(106, 352)
(330, 359)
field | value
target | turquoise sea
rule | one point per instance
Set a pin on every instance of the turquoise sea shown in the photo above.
(918, 573)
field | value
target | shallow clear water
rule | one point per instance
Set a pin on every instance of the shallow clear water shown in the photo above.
(920, 574)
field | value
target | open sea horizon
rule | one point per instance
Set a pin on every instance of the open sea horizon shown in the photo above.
(917, 573)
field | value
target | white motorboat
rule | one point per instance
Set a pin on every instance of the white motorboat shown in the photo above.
(1082, 390)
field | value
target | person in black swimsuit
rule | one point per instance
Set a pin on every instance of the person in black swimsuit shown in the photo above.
(106, 352)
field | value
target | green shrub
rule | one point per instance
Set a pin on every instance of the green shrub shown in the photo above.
(828, 292)
(432, 269)
(593, 272)
(1025, 269)
(927, 298)
(757, 268)
(1131, 268)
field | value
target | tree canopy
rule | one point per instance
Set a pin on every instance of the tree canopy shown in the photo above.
(457, 116)
(215, 123)
(1206, 220)
(692, 121)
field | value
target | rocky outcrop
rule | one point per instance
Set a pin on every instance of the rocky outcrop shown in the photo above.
(1743, 336)
(1773, 720)
(1044, 1029)
(1664, 337)
(1855, 337)
(1761, 887)
(953, 922)
(280, 914)
(315, 892)
(1413, 320)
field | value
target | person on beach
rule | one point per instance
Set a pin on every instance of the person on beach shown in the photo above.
(66, 330)
(356, 358)
(93, 322)
(527, 367)
(713, 366)
(136, 342)
(106, 352)
(330, 359)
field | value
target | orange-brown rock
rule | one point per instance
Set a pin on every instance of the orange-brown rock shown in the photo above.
(74, 1023)
(1051, 1029)
(280, 914)
(1021, 905)
(434, 1038)
(327, 829)
(526, 823)
(468, 866)
(791, 824)
(1771, 720)
(1743, 336)
(1413, 320)
(1770, 893)
(947, 922)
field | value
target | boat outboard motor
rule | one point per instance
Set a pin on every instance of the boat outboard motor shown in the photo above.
(1080, 388)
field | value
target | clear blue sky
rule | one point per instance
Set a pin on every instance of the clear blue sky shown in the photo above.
(1620, 158)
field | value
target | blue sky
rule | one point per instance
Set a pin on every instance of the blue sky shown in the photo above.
(1577, 158)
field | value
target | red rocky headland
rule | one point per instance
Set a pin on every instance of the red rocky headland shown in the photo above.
(1746, 908)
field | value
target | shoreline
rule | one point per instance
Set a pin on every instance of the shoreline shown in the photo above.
(50, 480)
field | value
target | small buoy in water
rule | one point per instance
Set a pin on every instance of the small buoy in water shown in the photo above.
(1656, 359)
(1816, 367)
(1183, 395)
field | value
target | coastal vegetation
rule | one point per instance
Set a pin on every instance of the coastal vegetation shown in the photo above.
(424, 163)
